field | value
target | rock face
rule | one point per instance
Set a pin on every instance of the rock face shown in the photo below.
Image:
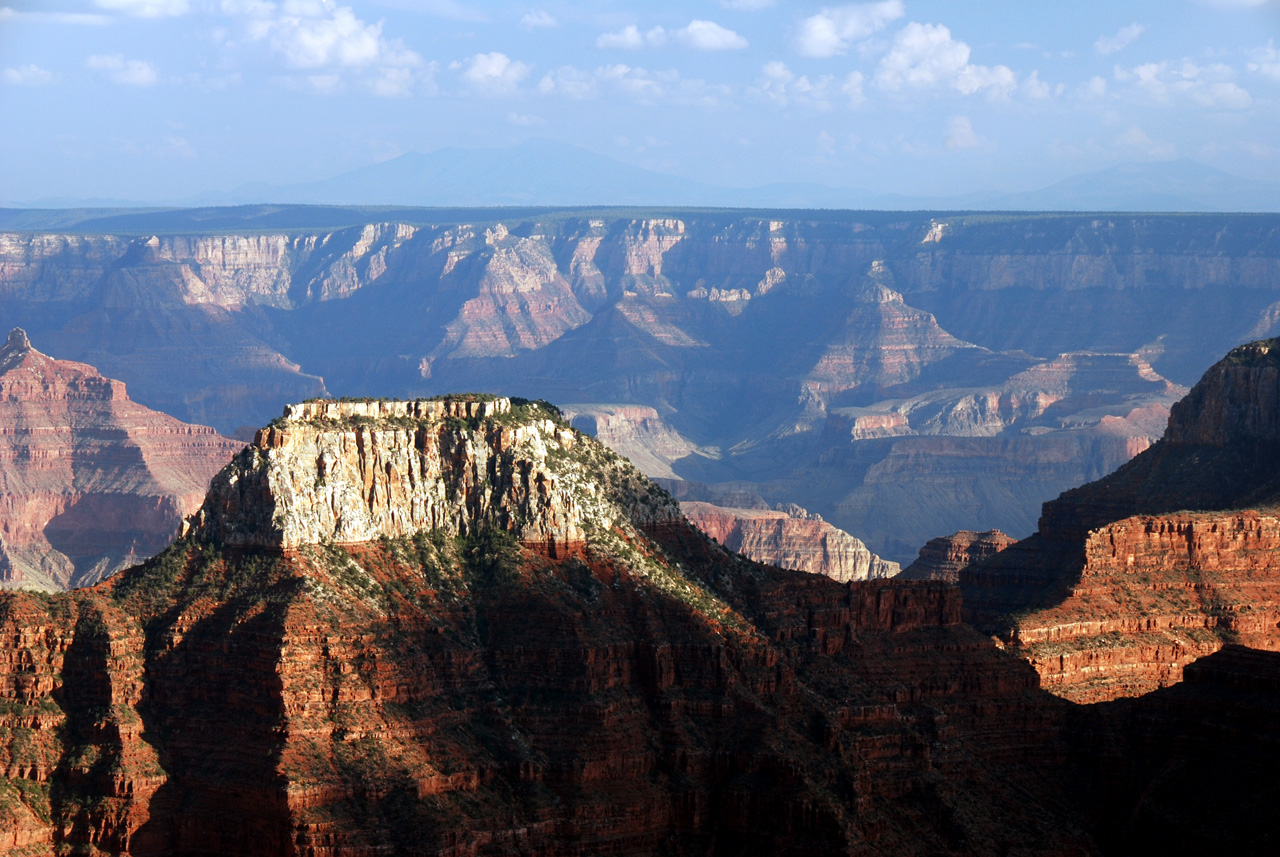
(901, 374)
(350, 472)
(789, 538)
(90, 482)
(420, 682)
(1121, 589)
(942, 558)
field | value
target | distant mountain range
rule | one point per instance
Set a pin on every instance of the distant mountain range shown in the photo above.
(543, 172)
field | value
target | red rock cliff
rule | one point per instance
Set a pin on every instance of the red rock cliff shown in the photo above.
(1120, 590)
(90, 482)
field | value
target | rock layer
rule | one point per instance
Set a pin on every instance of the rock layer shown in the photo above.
(90, 482)
(789, 538)
(1120, 589)
(942, 558)
(827, 357)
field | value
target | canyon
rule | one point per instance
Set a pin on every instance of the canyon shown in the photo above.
(900, 374)
(1175, 555)
(90, 482)
(460, 626)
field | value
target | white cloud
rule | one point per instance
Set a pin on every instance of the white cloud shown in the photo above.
(783, 87)
(316, 41)
(123, 71)
(710, 36)
(27, 75)
(630, 38)
(852, 87)
(1209, 86)
(635, 83)
(1107, 45)
(10, 14)
(146, 8)
(924, 56)
(1034, 88)
(960, 134)
(1266, 61)
(329, 42)
(699, 35)
(494, 73)
(831, 31)
(538, 19)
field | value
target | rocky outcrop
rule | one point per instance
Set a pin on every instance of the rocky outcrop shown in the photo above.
(789, 538)
(942, 558)
(349, 472)
(1121, 589)
(90, 482)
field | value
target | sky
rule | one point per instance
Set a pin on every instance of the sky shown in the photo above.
(169, 99)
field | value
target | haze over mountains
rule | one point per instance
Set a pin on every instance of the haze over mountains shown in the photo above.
(541, 172)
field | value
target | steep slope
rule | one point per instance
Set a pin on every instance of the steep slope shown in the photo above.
(459, 627)
(1123, 586)
(90, 482)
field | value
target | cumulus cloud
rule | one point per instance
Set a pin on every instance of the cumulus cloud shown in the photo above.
(1266, 61)
(960, 133)
(632, 82)
(123, 71)
(538, 19)
(783, 87)
(1210, 86)
(925, 56)
(146, 8)
(699, 35)
(1107, 45)
(630, 38)
(331, 44)
(494, 73)
(832, 30)
(710, 36)
(26, 75)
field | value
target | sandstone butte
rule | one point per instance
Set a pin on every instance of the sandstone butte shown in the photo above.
(90, 482)
(459, 627)
(1170, 558)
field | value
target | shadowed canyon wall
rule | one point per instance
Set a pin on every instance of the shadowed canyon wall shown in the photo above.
(1122, 587)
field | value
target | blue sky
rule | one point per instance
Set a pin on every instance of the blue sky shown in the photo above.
(166, 99)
